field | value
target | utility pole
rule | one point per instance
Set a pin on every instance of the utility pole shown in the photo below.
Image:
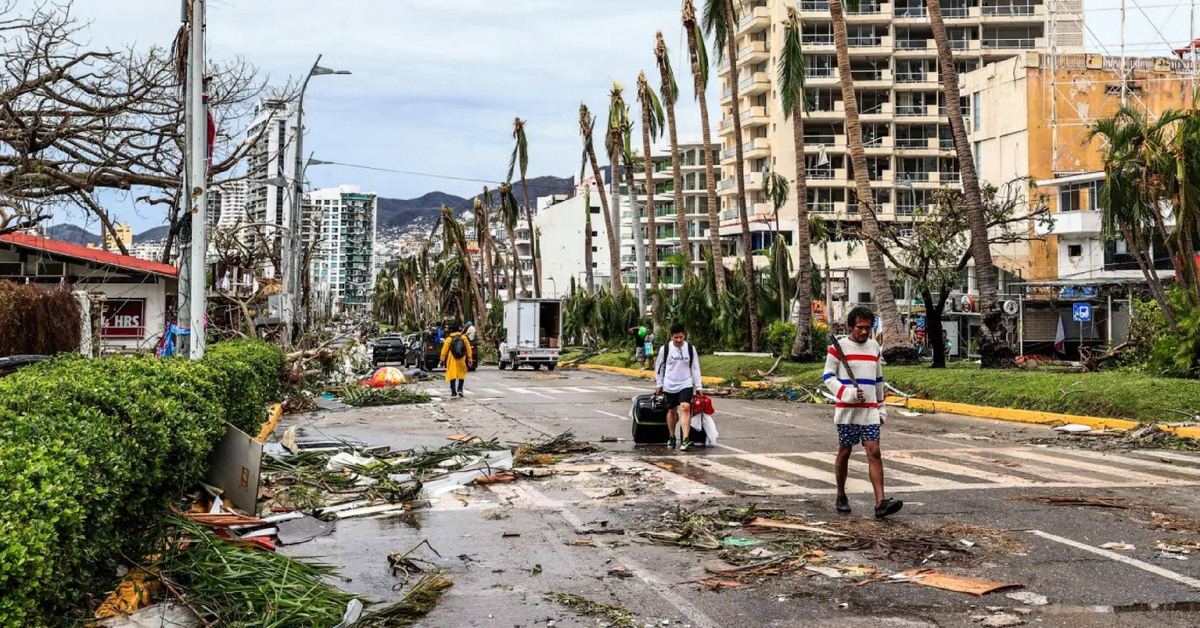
(183, 310)
(197, 193)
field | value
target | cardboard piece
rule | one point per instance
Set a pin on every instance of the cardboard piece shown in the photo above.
(959, 584)
(234, 466)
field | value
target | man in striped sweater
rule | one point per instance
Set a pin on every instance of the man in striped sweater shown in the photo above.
(854, 373)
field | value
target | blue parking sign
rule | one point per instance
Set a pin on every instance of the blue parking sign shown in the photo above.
(1082, 313)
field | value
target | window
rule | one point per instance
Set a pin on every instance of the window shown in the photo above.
(978, 157)
(1070, 197)
(1074, 250)
(975, 110)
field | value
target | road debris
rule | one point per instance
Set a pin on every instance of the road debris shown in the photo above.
(959, 584)
(548, 450)
(1119, 545)
(615, 616)
(408, 565)
(422, 598)
(1000, 620)
(1071, 500)
(363, 397)
(1028, 597)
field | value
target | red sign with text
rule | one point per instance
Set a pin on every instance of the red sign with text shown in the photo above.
(124, 319)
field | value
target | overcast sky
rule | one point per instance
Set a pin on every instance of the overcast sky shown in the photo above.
(437, 83)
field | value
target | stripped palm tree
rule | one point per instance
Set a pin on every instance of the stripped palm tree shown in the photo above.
(669, 90)
(653, 119)
(885, 303)
(511, 212)
(620, 130)
(776, 189)
(614, 144)
(587, 124)
(520, 159)
(457, 236)
(486, 245)
(791, 92)
(720, 18)
(699, 56)
(589, 277)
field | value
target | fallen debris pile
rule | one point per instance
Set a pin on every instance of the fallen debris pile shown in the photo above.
(614, 616)
(549, 450)
(362, 396)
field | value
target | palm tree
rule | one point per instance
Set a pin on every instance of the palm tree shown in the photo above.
(511, 212)
(616, 144)
(791, 88)
(652, 125)
(670, 93)
(486, 244)
(720, 19)
(885, 303)
(458, 237)
(776, 188)
(699, 55)
(587, 123)
(590, 278)
(981, 250)
(520, 157)
(639, 246)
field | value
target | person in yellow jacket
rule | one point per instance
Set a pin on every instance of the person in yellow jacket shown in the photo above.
(456, 352)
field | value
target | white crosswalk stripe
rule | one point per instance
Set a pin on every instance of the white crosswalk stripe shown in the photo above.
(929, 470)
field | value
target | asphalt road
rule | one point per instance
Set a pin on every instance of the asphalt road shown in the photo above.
(511, 547)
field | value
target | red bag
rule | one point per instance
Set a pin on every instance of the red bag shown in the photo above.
(702, 404)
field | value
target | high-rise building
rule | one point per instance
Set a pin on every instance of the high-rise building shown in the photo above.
(340, 230)
(272, 168)
(666, 229)
(906, 133)
(227, 203)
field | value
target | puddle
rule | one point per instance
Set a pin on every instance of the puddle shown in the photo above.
(1167, 607)
(409, 520)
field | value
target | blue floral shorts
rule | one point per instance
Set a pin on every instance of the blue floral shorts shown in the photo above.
(850, 435)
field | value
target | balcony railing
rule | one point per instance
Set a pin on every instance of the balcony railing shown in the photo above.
(993, 44)
(864, 42)
(910, 11)
(867, 75)
(958, 44)
(820, 207)
(1009, 9)
(910, 110)
(946, 143)
(911, 44)
(873, 142)
(913, 177)
(821, 6)
(818, 173)
(820, 72)
(814, 140)
(817, 40)
(951, 13)
(729, 214)
(950, 177)
(911, 77)
(864, 8)
(912, 142)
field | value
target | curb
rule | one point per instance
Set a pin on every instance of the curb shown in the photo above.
(961, 409)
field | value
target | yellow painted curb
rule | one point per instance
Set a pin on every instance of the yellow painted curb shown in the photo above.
(1010, 414)
(650, 375)
(274, 413)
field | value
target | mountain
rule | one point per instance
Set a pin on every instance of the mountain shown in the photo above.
(156, 233)
(78, 235)
(400, 213)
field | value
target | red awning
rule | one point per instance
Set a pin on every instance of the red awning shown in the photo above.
(83, 253)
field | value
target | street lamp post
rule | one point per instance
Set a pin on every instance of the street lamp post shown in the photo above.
(291, 276)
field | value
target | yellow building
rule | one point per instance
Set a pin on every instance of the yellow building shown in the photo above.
(124, 234)
(1030, 120)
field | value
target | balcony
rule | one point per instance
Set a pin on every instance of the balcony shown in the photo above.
(820, 76)
(817, 41)
(832, 143)
(912, 44)
(755, 117)
(1015, 43)
(910, 12)
(1076, 223)
(1011, 12)
(757, 148)
(876, 112)
(956, 13)
(755, 84)
(916, 77)
(755, 52)
(814, 6)
(754, 20)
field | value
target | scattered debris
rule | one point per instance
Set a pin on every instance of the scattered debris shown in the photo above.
(615, 616)
(784, 525)
(1171, 547)
(1000, 620)
(1172, 556)
(408, 565)
(422, 598)
(1028, 597)
(362, 397)
(1173, 522)
(1120, 545)
(546, 450)
(828, 572)
(155, 616)
(536, 570)
(1073, 428)
(959, 584)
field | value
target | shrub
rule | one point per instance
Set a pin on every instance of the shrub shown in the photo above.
(37, 321)
(251, 373)
(780, 337)
(91, 451)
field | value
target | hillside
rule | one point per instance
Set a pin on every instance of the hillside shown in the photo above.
(400, 213)
(78, 235)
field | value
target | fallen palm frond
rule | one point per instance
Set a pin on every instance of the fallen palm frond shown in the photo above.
(361, 396)
(235, 585)
(614, 615)
(422, 598)
(426, 459)
(1071, 500)
(545, 450)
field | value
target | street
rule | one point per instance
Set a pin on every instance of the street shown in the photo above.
(510, 548)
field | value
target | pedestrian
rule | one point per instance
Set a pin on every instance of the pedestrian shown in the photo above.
(677, 373)
(456, 352)
(648, 346)
(639, 344)
(471, 331)
(854, 373)
(947, 346)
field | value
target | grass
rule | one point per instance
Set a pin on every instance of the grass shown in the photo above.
(1111, 394)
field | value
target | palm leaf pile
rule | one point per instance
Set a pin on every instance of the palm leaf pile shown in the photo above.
(361, 396)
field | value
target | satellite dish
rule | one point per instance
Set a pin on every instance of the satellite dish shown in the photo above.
(1011, 308)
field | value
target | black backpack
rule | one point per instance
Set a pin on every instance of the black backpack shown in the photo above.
(458, 347)
(662, 368)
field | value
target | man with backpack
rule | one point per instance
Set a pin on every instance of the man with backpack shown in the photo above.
(854, 374)
(677, 373)
(456, 352)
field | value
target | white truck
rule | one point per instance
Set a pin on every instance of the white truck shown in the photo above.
(534, 333)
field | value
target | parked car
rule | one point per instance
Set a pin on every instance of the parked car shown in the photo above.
(388, 349)
(12, 363)
(424, 352)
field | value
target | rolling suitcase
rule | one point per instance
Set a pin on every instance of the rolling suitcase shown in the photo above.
(649, 414)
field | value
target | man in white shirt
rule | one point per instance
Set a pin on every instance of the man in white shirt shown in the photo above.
(677, 373)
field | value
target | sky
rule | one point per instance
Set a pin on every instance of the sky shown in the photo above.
(435, 84)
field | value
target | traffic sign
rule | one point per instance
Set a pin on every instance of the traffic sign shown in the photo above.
(1082, 313)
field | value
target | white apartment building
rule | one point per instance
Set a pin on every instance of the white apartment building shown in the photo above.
(340, 227)
(227, 203)
(151, 250)
(272, 156)
(910, 152)
(561, 222)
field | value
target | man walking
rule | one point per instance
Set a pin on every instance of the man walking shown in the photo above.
(854, 373)
(456, 352)
(677, 373)
(639, 344)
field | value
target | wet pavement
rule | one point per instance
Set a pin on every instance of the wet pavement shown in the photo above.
(511, 548)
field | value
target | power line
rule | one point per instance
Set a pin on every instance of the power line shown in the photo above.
(426, 174)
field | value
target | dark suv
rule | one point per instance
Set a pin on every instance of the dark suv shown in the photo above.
(388, 349)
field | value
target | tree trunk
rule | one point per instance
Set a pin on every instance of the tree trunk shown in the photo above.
(676, 172)
(994, 349)
(639, 246)
(650, 209)
(613, 253)
(933, 325)
(710, 177)
(514, 272)
(889, 315)
(1147, 267)
(740, 167)
(589, 277)
(537, 280)
(802, 350)
(613, 221)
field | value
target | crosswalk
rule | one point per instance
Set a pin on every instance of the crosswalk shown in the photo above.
(537, 392)
(921, 470)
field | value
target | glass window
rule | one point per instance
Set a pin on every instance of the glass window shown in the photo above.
(975, 111)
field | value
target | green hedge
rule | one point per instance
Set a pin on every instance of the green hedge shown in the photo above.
(91, 452)
(252, 372)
